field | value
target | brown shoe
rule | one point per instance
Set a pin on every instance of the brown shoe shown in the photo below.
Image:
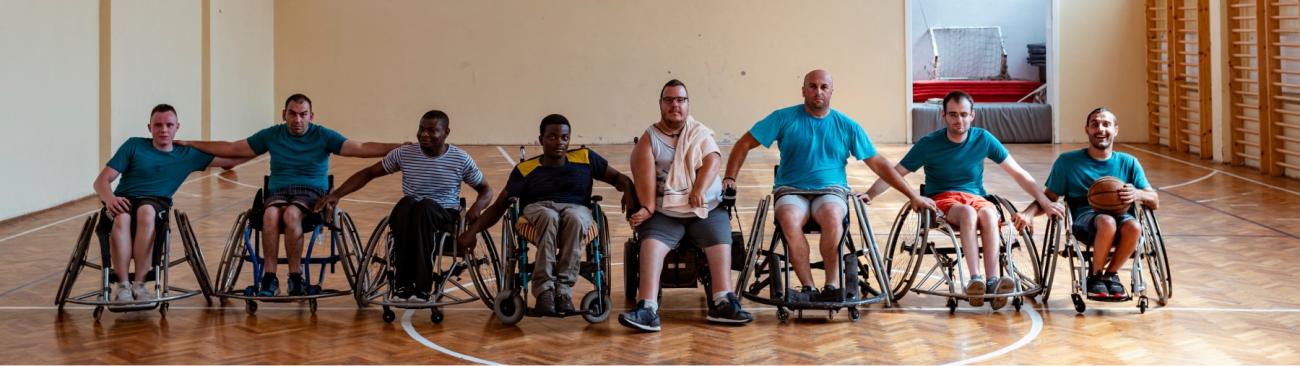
(545, 303)
(564, 303)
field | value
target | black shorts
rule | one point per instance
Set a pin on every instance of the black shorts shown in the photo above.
(161, 206)
(1085, 229)
(302, 196)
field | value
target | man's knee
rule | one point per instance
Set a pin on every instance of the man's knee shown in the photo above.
(790, 215)
(292, 214)
(829, 216)
(122, 222)
(963, 214)
(271, 215)
(1131, 227)
(1104, 224)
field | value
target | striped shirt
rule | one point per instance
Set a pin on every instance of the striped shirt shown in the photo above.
(436, 178)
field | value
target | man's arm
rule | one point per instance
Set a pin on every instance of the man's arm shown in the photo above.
(227, 163)
(1027, 183)
(622, 183)
(643, 177)
(103, 189)
(358, 149)
(484, 196)
(222, 149)
(737, 158)
(880, 185)
(704, 177)
(1146, 197)
(1025, 217)
(354, 183)
(469, 238)
(884, 169)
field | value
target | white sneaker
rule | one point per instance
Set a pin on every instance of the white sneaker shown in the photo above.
(123, 294)
(141, 292)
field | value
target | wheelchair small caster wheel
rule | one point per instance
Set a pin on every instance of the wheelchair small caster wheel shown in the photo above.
(436, 316)
(312, 305)
(1142, 305)
(162, 309)
(854, 315)
(596, 308)
(250, 306)
(782, 314)
(1017, 302)
(952, 305)
(99, 311)
(1078, 303)
(389, 315)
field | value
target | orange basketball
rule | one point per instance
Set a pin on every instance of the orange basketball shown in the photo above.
(1103, 195)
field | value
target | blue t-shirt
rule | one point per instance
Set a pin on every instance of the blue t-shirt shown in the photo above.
(813, 150)
(1075, 171)
(298, 160)
(148, 172)
(531, 181)
(951, 166)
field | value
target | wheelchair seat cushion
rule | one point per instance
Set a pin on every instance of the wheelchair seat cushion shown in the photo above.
(532, 233)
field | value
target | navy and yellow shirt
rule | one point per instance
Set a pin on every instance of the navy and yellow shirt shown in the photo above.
(531, 182)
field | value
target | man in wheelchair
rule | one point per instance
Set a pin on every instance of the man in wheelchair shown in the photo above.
(953, 159)
(300, 151)
(431, 176)
(152, 169)
(1072, 175)
(554, 190)
(675, 168)
(815, 141)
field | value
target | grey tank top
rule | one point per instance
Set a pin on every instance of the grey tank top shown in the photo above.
(663, 151)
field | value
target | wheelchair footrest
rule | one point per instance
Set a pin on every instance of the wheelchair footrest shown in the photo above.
(1111, 299)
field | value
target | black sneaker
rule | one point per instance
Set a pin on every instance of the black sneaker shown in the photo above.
(1097, 287)
(270, 285)
(297, 284)
(545, 303)
(1114, 286)
(804, 295)
(975, 291)
(828, 294)
(728, 312)
(640, 318)
(564, 304)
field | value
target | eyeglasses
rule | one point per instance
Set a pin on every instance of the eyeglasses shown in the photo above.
(671, 100)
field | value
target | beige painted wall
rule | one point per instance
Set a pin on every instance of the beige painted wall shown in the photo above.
(242, 67)
(499, 66)
(49, 102)
(1101, 58)
(156, 58)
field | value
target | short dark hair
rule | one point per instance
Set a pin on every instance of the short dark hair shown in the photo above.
(672, 83)
(957, 95)
(437, 116)
(299, 98)
(554, 119)
(1094, 112)
(163, 108)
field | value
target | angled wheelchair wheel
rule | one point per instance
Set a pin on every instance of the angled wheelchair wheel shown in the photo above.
(908, 239)
(485, 270)
(1156, 257)
(194, 255)
(1050, 254)
(371, 270)
(631, 269)
(74, 262)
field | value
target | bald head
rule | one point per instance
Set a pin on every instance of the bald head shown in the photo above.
(817, 90)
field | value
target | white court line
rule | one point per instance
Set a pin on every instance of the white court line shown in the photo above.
(70, 218)
(410, 331)
(1212, 169)
(1193, 181)
(1035, 329)
(506, 155)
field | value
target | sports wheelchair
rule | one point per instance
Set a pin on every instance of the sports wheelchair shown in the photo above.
(244, 244)
(376, 278)
(912, 246)
(164, 293)
(767, 269)
(1150, 256)
(685, 266)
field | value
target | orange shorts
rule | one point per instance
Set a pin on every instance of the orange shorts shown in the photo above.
(946, 200)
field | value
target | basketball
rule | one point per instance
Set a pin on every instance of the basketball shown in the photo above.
(1103, 195)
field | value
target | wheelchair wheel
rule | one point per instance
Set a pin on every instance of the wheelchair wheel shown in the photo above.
(485, 270)
(750, 265)
(776, 278)
(435, 316)
(1079, 306)
(1157, 258)
(74, 263)
(1052, 242)
(509, 308)
(908, 238)
(250, 306)
(194, 255)
(373, 266)
(595, 307)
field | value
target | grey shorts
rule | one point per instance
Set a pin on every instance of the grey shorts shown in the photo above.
(811, 201)
(714, 230)
(302, 196)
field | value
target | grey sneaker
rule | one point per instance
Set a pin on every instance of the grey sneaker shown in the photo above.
(1003, 285)
(728, 312)
(545, 304)
(975, 291)
(141, 292)
(123, 294)
(640, 318)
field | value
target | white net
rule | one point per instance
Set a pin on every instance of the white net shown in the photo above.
(968, 53)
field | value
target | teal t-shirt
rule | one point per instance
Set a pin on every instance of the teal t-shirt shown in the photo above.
(1075, 171)
(813, 150)
(952, 166)
(298, 160)
(148, 172)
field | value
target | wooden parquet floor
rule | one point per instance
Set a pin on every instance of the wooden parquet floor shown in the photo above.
(1232, 237)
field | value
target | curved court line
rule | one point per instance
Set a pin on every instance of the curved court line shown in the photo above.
(1035, 329)
(410, 331)
(1212, 169)
(1190, 182)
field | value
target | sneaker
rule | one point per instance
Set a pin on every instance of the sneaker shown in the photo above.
(1097, 287)
(804, 295)
(123, 294)
(1114, 286)
(828, 294)
(975, 291)
(1002, 285)
(641, 318)
(402, 294)
(545, 303)
(419, 296)
(564, 303)
(270, 286)
(728, 312)
(141, 293)
(297, 284)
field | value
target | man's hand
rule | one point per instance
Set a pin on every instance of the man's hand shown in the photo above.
(866, 198)
(639, 217)
(1055, 209)
(696, 199)
(467, 241)
(728, 183)
(1023, 221)
(629, 197)
(921, 202)
(327, 202)
(1127, 194)
(117, 206)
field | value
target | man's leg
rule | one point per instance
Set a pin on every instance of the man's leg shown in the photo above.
(987, 221)
(792, 214)
(651, 264)
(830, 216)
(1129, 233)
(119, 243)
(400, 223)
(965, 218)
(293, 237)
(575, 220)
(144, 235)
(545, 220)
(271, 238)
(1103, 240)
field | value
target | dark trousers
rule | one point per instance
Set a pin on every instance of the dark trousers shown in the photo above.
(417, 226)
